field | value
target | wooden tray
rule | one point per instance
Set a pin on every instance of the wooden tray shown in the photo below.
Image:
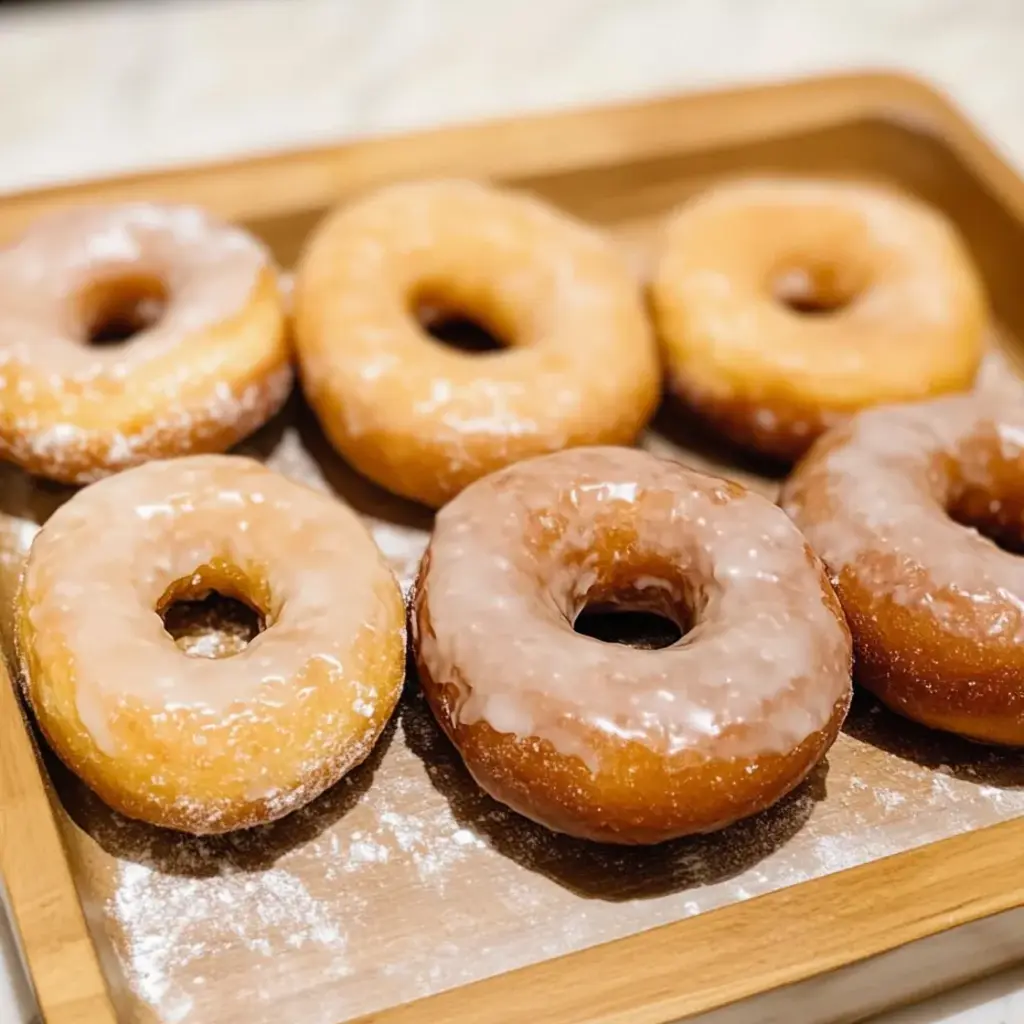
(404, 881)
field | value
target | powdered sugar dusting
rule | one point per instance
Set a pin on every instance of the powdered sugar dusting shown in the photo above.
(85, 455)
(76, 411)
(404, 880)
(172, 922)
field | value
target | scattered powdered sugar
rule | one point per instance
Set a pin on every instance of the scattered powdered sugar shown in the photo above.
(181, 904)
(405, 880)
(839, 852)
(402, 547)
(364, 850)
(942, 786)
(890, 799)
(429, 843)
(171, 921)
(398, 828)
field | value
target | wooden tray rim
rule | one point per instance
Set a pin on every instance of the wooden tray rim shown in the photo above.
(669, 972)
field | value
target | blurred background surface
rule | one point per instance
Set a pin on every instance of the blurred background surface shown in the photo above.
(99, 86)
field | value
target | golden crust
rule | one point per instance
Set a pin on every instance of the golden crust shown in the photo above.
(515, 703)
(922, 672)
(638, 797)
(105, 429)
(934, 608)
(424, 420)
(159, 754)
(907, 324)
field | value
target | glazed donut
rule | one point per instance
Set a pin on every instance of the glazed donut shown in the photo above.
(603, 741)
(206, 743)
(936, 609)
(423, 419)
(206, 364)
(744, 269)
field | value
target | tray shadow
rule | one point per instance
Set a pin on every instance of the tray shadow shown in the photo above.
(28, 498)
(178, 853)
(34, 499)
(294, 444)
(291, 442)
(699, 445)
(595, 870)
(871, 722)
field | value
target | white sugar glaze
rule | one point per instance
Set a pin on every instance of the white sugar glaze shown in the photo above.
(211, 365)
(875, 506)
(580, 364)
(269, 726)
(101, 564)
(515, 558)
(208, 268)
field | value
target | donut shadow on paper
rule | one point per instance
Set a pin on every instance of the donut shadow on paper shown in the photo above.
(595, 870)
(361, 493)
(677, 431)
(871, 722)
(30, 498)
(178, 853)
(265, 440)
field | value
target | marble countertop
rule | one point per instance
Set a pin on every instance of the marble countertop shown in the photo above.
(89, 88)
(110, 86)
(996, 1000)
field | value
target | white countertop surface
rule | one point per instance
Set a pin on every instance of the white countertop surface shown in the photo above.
(101, 87)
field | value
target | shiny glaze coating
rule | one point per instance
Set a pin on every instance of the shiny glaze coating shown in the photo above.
(424, 419)
(605, 741)
(935, 607)
(208, 364)
(208, 744)
(897, 310)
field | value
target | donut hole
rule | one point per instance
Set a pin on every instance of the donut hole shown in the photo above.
(211, 614)
(998, 519)
(640, 628)
(115, 310)
(637, 601)
(458, 328)
(816, 288)
(213, 626)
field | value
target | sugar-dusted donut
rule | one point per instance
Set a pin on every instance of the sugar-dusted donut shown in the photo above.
(206, 364)
(423, 419)
(936, 608)
(783, 306)
(195, 743)
(604, 741)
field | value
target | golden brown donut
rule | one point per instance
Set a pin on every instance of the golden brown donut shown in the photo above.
(936, 609)
(423, 419)
(204, 743)
(783, 306)
(207, 362)
(609, 742)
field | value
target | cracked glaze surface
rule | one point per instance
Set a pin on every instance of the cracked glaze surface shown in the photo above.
(516, 557)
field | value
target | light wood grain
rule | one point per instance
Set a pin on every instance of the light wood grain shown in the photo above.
(516, 148)
(679, 970)
(622, 168)
(58, 949)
